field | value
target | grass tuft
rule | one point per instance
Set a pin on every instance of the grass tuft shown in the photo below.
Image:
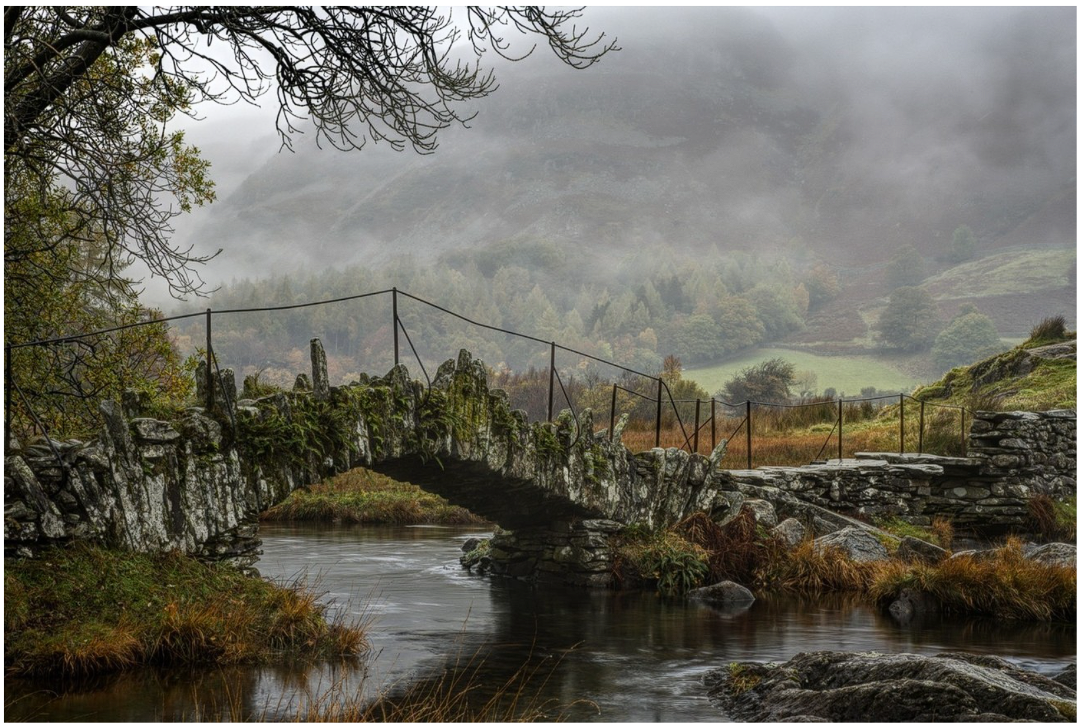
(805, 569)
(84, 610)
(1005, 585)
(1053, 520)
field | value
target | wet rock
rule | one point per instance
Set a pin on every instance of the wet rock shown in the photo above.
(913, 549)
(1068, 676)
(912, 604)
(839, 686)
(722, 593)
(791, 532)
(858, 544)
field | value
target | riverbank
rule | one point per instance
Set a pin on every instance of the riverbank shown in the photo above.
(82, 611)
(364, 497)
(1004, 582)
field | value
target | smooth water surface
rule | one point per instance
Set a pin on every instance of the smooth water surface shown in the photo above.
(604, 656)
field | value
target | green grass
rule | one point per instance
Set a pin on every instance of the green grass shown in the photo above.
(364, 497)
(84, 610)
(1005, 273)
(847, 374)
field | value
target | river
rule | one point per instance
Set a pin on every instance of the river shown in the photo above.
(604, 656)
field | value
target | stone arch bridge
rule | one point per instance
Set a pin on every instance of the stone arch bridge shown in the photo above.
(199, 482)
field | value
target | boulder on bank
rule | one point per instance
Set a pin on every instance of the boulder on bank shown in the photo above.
(1059, 554)
(913, 549)
(840, 686)
(791, 532)
(855, 542)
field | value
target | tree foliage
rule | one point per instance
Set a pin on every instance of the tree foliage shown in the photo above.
(769, 381)
(969, 337)
(910, 320)
(963, 244)
(905, 268)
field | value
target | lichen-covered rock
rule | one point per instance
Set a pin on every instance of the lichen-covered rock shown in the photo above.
(855, 542)
(1060, 554)
(837, 687)
(764, 512)
(791, 532)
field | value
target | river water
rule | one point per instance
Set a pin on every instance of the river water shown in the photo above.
(602, 656)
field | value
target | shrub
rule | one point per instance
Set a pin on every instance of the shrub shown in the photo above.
(667, 559)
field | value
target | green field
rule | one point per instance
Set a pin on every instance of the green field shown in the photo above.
(847, 374)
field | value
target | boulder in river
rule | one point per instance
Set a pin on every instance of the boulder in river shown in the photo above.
(843, 686)
(722, 593)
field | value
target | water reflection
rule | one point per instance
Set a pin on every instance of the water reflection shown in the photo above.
(619, 656)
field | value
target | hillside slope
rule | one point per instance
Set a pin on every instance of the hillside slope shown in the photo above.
(1038, 375)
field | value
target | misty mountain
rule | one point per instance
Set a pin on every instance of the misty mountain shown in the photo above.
(832, 136)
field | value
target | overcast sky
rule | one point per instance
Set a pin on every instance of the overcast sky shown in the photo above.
(872, 56)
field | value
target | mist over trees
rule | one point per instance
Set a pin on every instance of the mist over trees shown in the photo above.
(672, 309)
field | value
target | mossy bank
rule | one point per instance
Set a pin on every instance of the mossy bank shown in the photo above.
(85, 610)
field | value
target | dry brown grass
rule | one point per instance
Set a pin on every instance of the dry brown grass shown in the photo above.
(734, 551)
(459, 694)
(804, 569)
(1004, 585)
(775, 447)
(85, 610)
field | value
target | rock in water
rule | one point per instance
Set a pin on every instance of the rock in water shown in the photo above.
(726, 593)
(839, 686)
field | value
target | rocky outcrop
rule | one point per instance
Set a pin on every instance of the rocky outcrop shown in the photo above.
(836, 686)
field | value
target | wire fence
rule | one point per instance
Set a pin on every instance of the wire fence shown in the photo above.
(754, 430)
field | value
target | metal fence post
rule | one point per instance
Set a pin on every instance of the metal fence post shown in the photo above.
(697, 420)
(551, 383)
(749, 450)
(659, 398)
(209, 363)
(611, 428)
(901, 423)
(712, 425)
(922, 410)
(840, 429)
(397, 359)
